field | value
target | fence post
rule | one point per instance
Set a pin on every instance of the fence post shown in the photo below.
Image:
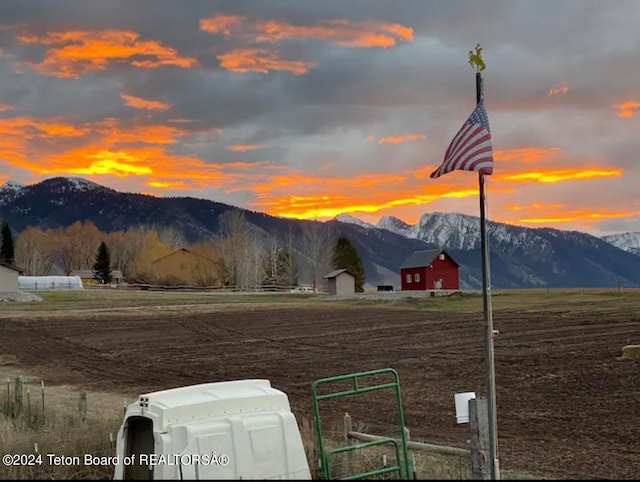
(28, 407)
(479, 439)
(17, 395)
(43, 415)
(348, 427)
(414, 470)
(82, 407)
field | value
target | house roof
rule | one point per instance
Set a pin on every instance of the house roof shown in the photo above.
(421, 259)
(337, 272)
(87, 273)
(11, 267)
(179, 250)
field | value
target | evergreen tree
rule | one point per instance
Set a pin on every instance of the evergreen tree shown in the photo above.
(102, 266)
(345, 256)
(7, 253)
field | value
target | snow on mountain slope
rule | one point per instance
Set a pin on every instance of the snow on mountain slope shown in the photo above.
(455, 231)
(395, 225)
(449, 230)
(12, 186)
(9, 191)
(626, 241)
(347, 218)
(81, 184)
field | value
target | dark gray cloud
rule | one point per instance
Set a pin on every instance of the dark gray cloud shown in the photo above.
(585, 49)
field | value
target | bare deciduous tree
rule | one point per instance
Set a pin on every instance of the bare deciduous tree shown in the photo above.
(170, 236)
(317, 242)
(36, 250)
(280, 263)
(80, 242)
(233, 246)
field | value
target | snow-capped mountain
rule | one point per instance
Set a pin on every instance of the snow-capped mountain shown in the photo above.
(520, 257)
(397, 226)
(524, 256)
(626, 241)
(347, 218)
(9, 191)
(81, 184)
(455, 231)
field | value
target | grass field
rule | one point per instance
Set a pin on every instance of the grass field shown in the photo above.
(566, 399)
(545, 300)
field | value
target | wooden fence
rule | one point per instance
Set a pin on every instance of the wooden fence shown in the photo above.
(216, 289)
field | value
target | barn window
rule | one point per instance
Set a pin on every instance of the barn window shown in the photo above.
(441, 257)
(416, 277)
(409, 278)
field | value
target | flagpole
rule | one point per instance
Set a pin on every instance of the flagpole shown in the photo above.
(488, 317)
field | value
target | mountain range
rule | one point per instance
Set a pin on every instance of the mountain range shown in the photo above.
(520, 257)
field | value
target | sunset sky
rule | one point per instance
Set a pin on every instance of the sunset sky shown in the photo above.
(314, 108)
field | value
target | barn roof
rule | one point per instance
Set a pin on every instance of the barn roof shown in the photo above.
(181, 250)
(420, 259)
(335, 273)
(11, 267)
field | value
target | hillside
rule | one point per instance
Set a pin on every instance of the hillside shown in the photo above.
(520, 257)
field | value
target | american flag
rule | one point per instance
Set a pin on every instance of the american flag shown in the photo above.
(470, 149)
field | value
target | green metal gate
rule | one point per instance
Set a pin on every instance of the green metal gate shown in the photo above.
(402, 463)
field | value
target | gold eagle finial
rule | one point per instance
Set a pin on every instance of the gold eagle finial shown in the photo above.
(475, 60)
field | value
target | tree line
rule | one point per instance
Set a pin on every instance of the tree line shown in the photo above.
(242, 255)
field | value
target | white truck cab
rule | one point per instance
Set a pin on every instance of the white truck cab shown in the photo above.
(234, 430)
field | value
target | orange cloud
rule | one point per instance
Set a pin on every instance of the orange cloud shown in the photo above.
(221, 24)
(164, 170)
(578, 215)
(526, 154)
(302, 196)
(119, 163)
(627, 109)
(180, 121)
(245, 147)
(140, 103)
(29, 127)
(329, 206)
(180, 185)
(553, 176)
(345, 33)
(109, 148)
(115, 133)
(515, 207)
(261, 61)
(397, 139)
(341, 32)
(4, 107)
(76, 53)
(391, 140)
(563, 89)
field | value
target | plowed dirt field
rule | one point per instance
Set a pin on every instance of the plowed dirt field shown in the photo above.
(567, 403)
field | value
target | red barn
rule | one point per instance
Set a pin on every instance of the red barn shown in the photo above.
(429, 270)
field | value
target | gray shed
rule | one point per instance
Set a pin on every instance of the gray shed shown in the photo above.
(342, 282)
(9, 278)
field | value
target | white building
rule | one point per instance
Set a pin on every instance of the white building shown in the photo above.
(9, 278)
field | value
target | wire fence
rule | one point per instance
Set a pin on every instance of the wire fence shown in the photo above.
(238, 289)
